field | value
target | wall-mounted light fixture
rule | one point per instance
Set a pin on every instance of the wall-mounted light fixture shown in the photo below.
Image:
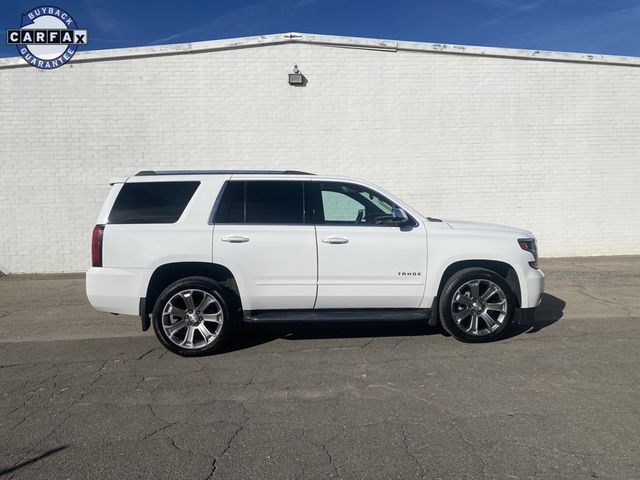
(296, 78)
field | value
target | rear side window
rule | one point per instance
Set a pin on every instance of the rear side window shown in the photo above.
(262, 202)
(274, 202)
(231, 208)
(152, 202)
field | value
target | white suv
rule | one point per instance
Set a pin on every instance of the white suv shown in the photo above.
(198, 251)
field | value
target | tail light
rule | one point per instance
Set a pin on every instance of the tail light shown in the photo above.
(96, 245)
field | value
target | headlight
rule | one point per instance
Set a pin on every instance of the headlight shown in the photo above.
(529, 244)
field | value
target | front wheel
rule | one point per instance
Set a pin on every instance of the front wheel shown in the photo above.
(190, 317)
(476, 305)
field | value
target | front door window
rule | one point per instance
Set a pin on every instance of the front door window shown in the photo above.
(351, 204)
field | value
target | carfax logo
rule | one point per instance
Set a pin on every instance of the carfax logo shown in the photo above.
(47, 38)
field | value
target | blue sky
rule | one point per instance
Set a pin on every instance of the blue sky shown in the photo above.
(610, 27)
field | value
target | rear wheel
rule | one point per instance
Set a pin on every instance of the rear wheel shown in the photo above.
(191, 318)
(476, 305)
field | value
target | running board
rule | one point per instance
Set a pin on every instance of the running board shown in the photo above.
(337, 315)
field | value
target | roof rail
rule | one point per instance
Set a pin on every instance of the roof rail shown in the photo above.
(145, 173)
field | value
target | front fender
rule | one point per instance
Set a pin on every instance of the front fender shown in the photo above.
(449, 247)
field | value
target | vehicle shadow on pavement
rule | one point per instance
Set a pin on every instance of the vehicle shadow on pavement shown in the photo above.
(249, 336)
(549, 312)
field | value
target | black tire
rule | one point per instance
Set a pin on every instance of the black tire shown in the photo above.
(486, 331)
(172, 292)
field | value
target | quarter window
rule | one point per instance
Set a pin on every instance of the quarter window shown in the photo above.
(151, 202)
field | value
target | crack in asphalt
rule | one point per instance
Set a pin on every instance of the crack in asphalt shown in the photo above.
(627, 310)
(214, 465)
(250, 382)
(406, 448)
(160, 429)
(186, 450)
(149, 352)
(472, 447)
(24, 419)
(431, 403)
(554, 448)
(325, 449)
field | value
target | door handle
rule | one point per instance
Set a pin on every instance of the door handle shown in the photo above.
(335, 240)
(235, 239)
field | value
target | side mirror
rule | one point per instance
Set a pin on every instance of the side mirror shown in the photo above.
(398, 215)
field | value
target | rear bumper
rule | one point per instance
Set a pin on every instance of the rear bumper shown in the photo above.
(116, 290)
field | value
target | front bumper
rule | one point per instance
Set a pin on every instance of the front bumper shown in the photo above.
(533, 288)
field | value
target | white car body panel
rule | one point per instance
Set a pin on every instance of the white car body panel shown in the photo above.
(117, 290)
(275, 269)
(486, 227)
(379, 267)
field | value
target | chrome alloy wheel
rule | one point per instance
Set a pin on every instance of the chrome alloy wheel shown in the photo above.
(479, 307)
(192, 319)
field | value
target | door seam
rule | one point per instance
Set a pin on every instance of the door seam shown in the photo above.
(315, 301)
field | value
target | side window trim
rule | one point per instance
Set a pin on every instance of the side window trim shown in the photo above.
(310, 190)
(216, 204)
(244, 203)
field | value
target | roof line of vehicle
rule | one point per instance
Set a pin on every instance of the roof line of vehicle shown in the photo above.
(147, 173)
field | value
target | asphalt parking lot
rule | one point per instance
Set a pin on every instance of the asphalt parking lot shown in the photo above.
(87, 395)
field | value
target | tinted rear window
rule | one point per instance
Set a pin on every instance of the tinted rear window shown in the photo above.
(152, 202)
(274, 202)
(262, 202)
(231, 209)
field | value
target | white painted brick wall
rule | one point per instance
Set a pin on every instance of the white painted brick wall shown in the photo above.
(546, 145)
